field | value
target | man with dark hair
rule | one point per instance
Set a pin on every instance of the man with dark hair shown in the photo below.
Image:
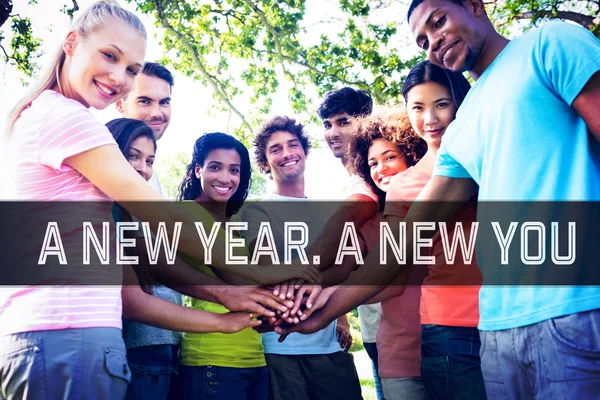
(150, 101)
(337, 110)
(151, 351)
(529, 130)
(310, 366)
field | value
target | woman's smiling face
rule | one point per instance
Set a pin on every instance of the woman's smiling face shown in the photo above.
(385, 161)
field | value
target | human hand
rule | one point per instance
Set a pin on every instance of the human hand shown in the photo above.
(275, 274)
(232, 322)
(255, 299)
(286, 289)
(344, 336)
(312, 292)
(266, 324)
(317, 322)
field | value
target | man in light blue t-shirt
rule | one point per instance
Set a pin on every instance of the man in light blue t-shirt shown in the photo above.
(310, 366)
(529, 130)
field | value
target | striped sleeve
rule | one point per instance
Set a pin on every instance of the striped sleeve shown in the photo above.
(68, 130)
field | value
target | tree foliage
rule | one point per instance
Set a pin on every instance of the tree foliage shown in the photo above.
(23, 51)
(247, 51)
(260, 47)
(532, 12)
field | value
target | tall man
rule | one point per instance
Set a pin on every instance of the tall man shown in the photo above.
(527, 136)
(151, 352)
(308, 366)
(337, 111)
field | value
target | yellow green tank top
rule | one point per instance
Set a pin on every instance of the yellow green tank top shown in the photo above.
(242, 349)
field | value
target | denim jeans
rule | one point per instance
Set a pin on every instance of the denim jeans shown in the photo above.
(554, 359)
(371, 349)
(151, 368)
(82, 363)
(403, 388)
(215, 383)
(450, 363)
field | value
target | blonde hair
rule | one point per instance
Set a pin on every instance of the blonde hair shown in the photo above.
(88, 21)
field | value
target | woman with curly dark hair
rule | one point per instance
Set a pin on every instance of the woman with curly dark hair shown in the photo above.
(385, 145)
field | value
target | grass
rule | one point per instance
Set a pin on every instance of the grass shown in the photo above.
(357, 344)
(368, 389)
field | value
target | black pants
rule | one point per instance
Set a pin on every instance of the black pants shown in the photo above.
(319, 376)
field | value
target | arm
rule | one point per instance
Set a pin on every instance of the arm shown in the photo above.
(387, 293)
(347, 297)
(235, 298)
(587, 105)
(107, 169)
(336, 274)
(181, 275)
(342, 329)
(358, 208)
(142, 307)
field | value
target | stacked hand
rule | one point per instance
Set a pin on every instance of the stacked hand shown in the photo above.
(307, 299)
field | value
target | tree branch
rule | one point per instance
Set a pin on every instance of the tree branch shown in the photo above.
(194, 53)
(265, 21)
(584, 20)
(317, 71)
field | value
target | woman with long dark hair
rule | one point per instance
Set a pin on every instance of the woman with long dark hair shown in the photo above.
(449, 310)
(219, 365)
(151, 330)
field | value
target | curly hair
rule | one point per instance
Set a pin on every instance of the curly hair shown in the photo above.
(190, 187)
(391, 125)
(267, 129)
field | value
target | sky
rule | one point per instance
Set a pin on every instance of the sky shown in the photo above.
(190, 99)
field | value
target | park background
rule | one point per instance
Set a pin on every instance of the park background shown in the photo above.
(237, 62)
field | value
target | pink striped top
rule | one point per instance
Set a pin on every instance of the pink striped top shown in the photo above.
(51, 130)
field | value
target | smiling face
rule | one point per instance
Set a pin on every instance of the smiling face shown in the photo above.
(385, 161)
(100, 67)
(338, 131)
(450, 34)
(220, 175)
(285, 157)
(430, 110)
(141, 155)
(148, 101)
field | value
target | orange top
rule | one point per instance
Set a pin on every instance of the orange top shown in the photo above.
(450, 293)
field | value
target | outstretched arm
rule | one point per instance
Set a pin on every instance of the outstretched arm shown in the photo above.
(142, 307)
(108, 170)
(453, 191)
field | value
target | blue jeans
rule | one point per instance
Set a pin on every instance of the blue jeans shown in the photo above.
(214, 383)
(554, 359)
(82, 363)
(371, 349)
(151, 368)
(404, 388)
(450, 363)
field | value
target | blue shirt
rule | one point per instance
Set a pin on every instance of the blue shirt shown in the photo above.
(321, 342)
(137, 334)
(518, 137)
